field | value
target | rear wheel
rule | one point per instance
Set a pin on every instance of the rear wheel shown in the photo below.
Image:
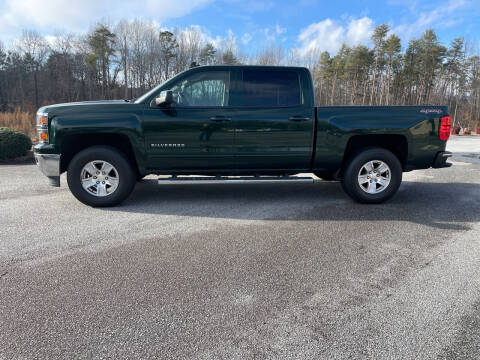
(100, 176)
(372, 176)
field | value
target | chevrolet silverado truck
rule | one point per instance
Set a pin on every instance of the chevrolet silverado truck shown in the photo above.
(214, 124)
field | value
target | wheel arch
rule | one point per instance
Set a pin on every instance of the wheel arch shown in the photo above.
(397, 144)
(74, 143)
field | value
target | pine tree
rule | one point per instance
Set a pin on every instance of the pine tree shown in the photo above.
(168, 49)
(101, 43)
(207, 54)
(228, 58)
(378, 39)
(392, 50)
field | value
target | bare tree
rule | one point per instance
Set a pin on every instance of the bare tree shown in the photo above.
(34, 49)
(271, 55)
(190, 44)
(122, 46)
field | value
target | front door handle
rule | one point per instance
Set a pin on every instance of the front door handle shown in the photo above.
(298, 118)
(220, 118)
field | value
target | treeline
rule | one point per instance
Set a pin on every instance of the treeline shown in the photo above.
(123, 61)
(129, 58)
(425, 73)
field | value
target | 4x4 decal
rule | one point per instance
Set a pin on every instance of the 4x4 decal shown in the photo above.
(432, 111)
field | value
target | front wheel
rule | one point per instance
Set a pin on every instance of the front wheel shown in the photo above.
(372, 176)
(100, 176)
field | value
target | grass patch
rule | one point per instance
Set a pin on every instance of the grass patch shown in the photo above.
(21, 121)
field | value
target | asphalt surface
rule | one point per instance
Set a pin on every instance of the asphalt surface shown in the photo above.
(291, 271)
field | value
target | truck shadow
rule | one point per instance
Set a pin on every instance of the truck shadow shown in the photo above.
(452, 206)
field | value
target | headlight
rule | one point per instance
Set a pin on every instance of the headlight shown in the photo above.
(42, 128)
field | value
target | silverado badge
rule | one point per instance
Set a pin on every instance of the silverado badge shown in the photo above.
(167, 145)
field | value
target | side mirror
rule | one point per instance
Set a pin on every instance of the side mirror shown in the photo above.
(164, 98)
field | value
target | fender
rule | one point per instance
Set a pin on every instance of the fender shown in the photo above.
(98, 120)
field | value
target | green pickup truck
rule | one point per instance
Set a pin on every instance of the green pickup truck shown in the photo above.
(237, 124)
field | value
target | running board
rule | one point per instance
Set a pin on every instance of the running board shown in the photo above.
(233, 180)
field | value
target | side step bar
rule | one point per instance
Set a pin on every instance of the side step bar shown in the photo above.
(233, 180)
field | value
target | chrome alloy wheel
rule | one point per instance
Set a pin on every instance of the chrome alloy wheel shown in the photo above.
(374, 177)
(99, 178)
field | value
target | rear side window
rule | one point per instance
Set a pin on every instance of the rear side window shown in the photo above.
(270, 88)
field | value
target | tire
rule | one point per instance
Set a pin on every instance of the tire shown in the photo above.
(372, 187)
(325, 175)
(88, 165)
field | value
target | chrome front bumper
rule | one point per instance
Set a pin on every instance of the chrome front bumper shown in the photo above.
(49, 165)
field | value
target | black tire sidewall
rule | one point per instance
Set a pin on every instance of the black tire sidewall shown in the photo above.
(350, 175)
(114, 157)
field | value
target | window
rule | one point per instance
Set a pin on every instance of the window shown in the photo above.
(205, 88)
(270, 88)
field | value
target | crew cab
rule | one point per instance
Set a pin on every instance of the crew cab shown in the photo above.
(236, 123)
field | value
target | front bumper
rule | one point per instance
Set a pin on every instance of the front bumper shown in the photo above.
(49, 165)
(441, 160)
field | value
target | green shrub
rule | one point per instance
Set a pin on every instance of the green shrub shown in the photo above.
(13, 143)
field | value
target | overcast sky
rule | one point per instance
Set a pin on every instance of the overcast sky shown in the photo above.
(303, 24)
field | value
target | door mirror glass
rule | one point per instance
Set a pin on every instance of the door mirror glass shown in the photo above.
(163, 99)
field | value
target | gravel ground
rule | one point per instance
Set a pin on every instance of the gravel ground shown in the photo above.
(287, 271)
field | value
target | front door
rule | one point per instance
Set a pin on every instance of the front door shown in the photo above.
(196, 132)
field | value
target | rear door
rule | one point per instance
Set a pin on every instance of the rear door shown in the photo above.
(274, 122)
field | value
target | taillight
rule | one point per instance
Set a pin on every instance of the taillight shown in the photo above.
(445, 125)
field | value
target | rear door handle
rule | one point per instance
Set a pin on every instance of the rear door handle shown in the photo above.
(298, 118)
(220, 118)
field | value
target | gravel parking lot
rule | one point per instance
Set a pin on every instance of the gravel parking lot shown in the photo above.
(291, 271)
